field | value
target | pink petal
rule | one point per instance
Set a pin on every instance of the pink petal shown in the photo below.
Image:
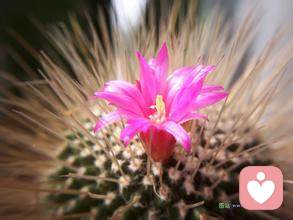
(191, 116)
(183, 101)
(179, 133)
(133, 127)
(175, 82)
(211, 88)
(189, 74)
(124, 96)
(184, 77)
(162, 62)
(148, 81)
(177, 78)
(160, 65)
(107, 119)
(186, 95)
(203, 73)
(138, 86)
(206, 99)
(128, 89)
(162, 57)
(122, 102)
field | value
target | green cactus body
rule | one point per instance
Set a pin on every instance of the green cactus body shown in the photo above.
(183, 188)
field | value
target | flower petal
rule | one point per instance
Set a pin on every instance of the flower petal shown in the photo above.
(175, 82)
(211, 88)
(206, 99)
(161, 62)
(186, 95)
(162, 57)
(128, 89)
(107, 119)
(188, 74)
(183, 101)
(124, 96)
(191, 116)
(133, 127)
(148, 81)
(179, 134)
(122, 102)
(177, 78)
(160, 66)
(203, 73)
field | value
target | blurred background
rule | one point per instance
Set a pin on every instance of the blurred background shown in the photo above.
(19, 19)
(21, 23)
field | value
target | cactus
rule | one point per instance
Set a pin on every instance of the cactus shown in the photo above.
(132, 190)
(52, 159)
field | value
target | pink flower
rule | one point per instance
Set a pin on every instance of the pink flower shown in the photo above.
(157, 106)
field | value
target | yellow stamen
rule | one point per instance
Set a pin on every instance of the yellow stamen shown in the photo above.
(160, 105)
(160, 114)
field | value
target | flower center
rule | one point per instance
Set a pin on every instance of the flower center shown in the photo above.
(160, 114)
